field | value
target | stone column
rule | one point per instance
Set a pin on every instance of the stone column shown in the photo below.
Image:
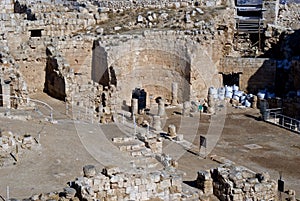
(6, 95)
(186, 108)
(161, 108)
(174, 93)
(156, 123)
(172, 130)
(134, 106)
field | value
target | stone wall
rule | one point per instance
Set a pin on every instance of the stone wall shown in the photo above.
(238, 183)
(114, 184)
(7, 6)
(55, 80)
(271, 13)
(52, 21)
(117, 4)
(256, 73)
(11, 79)
(153, 60)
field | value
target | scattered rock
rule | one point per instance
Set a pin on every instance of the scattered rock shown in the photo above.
(89, 171)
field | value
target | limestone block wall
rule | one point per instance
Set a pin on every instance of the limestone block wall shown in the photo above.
(59, 78)
(271, 13)
(77, 51)
(7, 6)
(153, 60)
(256, 73)
(11, 79)
(237, 183)
(119, 4)
(114, 184)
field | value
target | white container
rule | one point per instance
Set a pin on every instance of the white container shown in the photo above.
(235, 88)
(228, 88)
(238, 93)
(221, 90)
(243, 97)
(212, 90)
(247, 103)
(261, 95)
(229, 94)
(221, 93)
(249, 96)
(236, 98)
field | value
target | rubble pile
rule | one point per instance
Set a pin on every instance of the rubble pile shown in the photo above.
(12, 146)
(237, 183)
(140, 145)
(132, 145)
(152, 141)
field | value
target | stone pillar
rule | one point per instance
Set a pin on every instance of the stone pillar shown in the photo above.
(205, 182)
(172, 130)
(186, 108)
(156, 123)
(6, 95)
(174, 93)
(134, 106)
(161, 108)
(211, 101)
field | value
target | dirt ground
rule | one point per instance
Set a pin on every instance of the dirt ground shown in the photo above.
(62, 155)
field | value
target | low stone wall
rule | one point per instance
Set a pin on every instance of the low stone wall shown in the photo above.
(12, 146)
(238, 183)
(113, 184)
(255, 73)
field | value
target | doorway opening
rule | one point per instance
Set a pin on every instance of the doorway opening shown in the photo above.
(231, 79)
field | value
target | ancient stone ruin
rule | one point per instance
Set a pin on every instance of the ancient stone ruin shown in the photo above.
(152, 69)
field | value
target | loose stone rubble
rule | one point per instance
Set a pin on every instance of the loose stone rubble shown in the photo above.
(13, 146)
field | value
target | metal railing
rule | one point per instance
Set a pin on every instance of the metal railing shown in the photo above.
(276, 117)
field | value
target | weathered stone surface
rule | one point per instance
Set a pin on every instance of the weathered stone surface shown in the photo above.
(89, 171)
(172, 131)
(236, 182)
